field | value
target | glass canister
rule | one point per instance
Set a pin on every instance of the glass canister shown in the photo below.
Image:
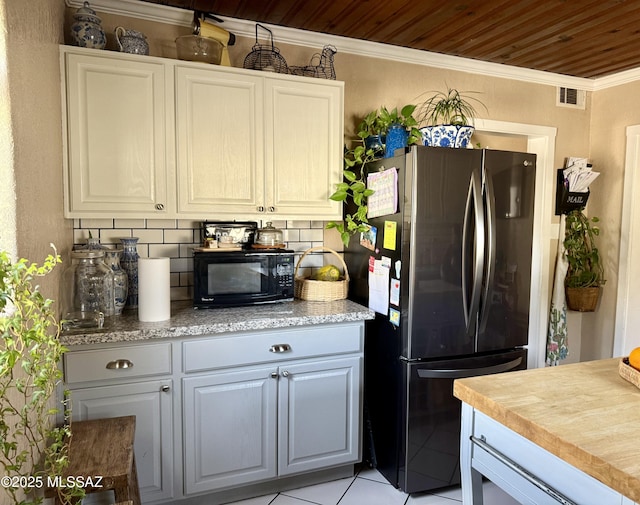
(129, 263)
(87, 290)
(112, 260)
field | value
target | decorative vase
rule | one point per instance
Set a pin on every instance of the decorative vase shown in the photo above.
(397, 137)
(86, 30)
(131, 41)
(120, 280)
(375, 142)
(129, 263)
(447, 135)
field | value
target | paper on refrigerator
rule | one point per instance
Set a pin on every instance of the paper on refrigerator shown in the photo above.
(378, 286)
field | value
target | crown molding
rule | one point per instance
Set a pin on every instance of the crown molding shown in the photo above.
(171, 15)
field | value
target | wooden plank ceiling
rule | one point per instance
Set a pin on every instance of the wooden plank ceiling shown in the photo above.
(582, 38)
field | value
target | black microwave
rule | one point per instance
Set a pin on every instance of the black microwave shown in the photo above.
(247, 277)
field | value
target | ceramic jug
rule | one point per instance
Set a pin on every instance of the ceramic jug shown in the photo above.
(86, 30)
(131, 41)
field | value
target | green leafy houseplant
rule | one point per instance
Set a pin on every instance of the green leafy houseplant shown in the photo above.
(585, 273)
(451, 107)
(32, 450)
(378, 122)
(353, 191)
(585, 265)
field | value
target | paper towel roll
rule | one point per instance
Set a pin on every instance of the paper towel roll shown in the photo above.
(154, 289)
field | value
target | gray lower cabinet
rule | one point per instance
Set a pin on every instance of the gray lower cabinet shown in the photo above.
(257, 423)
(232, 412)
(150, 402)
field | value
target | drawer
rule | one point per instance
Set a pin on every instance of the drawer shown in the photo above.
(552, 471)
(270, 346)
(123, 362)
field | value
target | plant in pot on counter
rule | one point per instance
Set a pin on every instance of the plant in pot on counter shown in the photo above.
(585, 273)
(32, 449)
(447, 118)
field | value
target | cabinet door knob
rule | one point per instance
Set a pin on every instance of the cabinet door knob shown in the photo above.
(272, 209)
(280, 348)
(159, 206)
(261, 209)
(165, 389)
(118, 364)
(285, 373)
(273, 375)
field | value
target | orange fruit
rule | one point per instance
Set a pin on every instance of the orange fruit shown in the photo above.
(634, 358)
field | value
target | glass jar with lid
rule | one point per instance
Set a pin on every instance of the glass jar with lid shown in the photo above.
(87, 290)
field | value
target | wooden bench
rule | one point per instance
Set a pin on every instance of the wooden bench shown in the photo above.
(102, 450)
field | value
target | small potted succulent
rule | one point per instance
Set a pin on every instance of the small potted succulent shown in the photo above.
(585, 273)
(447, 118)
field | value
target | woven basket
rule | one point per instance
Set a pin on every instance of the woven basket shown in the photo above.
(321, 291)
(628, 373)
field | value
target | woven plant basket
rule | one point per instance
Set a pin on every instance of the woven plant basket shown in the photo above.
(628, 373)
(582, 299)
(321, 291)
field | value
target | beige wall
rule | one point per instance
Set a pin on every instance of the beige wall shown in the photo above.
(613, 110)
(33, 33)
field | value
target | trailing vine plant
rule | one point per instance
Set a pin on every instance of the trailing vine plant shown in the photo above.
(33, 451)
(353, 188)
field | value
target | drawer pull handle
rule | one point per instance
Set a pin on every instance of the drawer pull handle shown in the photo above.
(280, 348)
(118, 364)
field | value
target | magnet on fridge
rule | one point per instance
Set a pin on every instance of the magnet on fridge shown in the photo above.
(394, 317)
(398, 265)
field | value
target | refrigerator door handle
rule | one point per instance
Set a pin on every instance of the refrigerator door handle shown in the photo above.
(474, 202)
(490, 265)
(460, 373)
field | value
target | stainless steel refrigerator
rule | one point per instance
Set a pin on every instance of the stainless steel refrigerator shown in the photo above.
(449, 271)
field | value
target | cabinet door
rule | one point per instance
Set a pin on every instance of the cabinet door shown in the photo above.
(150, 402)
(229, 429)
(304, 142)
(116, 136)
(319, 406)
(219, 141)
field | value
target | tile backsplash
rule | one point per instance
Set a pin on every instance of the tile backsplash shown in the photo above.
(175, 239)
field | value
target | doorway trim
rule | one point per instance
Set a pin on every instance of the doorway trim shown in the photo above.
(629, 240)
(541, 142)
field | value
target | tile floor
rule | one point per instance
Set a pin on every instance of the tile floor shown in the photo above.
(368, 487)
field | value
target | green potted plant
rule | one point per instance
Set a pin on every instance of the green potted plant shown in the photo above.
(447, 118)
(33, 451)
(353, 192)
(375, 126)
(585, 273)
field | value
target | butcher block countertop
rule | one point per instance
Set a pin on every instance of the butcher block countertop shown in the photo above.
(584, 413)
(187, 321)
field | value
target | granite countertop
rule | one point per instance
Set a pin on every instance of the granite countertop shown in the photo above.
(584, 413)
(186, 321)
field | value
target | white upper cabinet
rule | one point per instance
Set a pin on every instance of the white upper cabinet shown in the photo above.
(116, 135)
(220, 144)
(154, 137)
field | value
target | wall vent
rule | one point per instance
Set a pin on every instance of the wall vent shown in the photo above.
(571, 97)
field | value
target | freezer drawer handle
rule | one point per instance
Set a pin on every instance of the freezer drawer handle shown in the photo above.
(424, 373)
(280, 348)
(543, 486)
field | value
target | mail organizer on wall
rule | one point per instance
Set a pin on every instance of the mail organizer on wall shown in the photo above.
(566, 200)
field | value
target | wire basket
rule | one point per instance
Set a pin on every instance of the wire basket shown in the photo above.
(321, 291)
(321, 65)
(264, 57)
